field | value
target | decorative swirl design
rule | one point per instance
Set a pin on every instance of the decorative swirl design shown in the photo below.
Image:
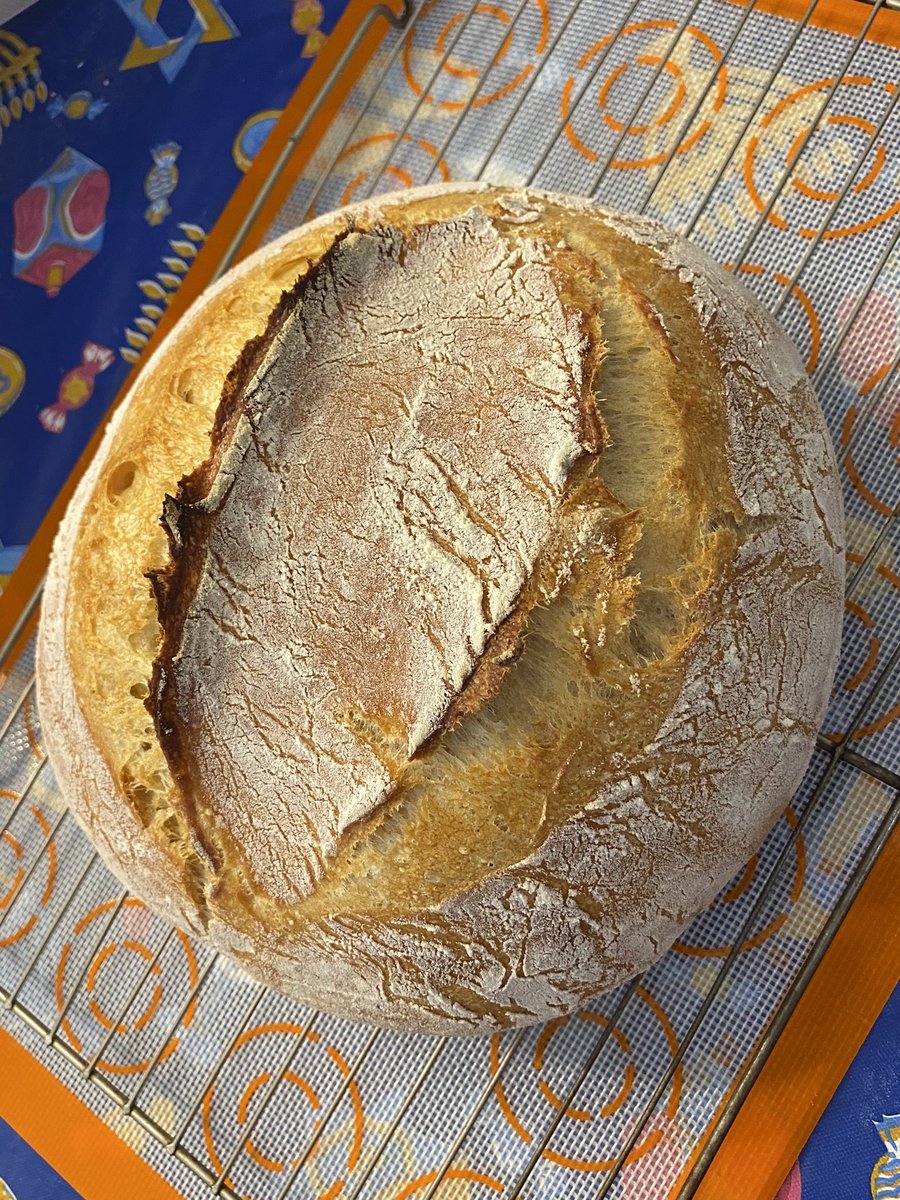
(226, 1084)
(644, 1016)
(873, 649)
(740, 895)
(134, 1043)
(361, 159)
(792, 125)
(11, 846)
(802, 298)
(459, 1174)
(456, 71)
(684, 82)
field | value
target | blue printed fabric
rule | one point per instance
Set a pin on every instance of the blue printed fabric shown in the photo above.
(125, 126)
(24, 1175)
(854, 1151)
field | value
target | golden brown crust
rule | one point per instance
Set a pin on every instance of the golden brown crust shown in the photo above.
(628, 760)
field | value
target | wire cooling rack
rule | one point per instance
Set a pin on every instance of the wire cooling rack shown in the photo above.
(775, 144)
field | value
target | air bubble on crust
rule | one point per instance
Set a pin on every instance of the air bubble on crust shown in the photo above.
(120, 480)
(184, 386)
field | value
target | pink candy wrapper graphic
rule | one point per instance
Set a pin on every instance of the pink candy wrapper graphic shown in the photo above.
(76, 386)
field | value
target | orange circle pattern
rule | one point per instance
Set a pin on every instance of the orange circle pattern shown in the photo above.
(423, 1181)
(662, 118)
(101, 962)
(106, 953)
(453, 70)
(8, 897)
(260, 1081)
(850, 466)
(784, 113)
(739, 887)
(399, 177)
(650, 1138)
(873, 649)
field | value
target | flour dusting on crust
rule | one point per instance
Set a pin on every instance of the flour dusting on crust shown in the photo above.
(398, 463)
(662, 828)
(539, 938)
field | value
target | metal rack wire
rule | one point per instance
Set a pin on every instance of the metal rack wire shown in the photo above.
(834, 753)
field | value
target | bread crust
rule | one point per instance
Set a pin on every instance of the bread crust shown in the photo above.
(629, 828)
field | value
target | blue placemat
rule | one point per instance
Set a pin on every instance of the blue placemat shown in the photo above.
(24, 1175)
(854, 1151)
(125, 126)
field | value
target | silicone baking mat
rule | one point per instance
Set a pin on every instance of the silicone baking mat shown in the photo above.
(775, 143)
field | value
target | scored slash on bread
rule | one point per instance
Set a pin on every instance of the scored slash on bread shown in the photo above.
(405, 578)
(495, 555)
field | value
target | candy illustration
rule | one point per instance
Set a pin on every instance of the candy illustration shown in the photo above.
(306, 15)
(885, 1181)
(59, 221)
(12, 380)
(161, 181)
(76, 387)
(76, 106)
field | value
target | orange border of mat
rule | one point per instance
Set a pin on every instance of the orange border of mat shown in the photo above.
(68, 1135)
(833, 1017)
(841, 16)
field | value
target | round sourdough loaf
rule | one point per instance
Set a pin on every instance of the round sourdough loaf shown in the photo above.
(450, 608)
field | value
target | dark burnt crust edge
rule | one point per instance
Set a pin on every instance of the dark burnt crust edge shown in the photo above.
(187, 519)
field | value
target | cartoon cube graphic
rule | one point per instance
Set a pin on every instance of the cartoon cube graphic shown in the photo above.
(59, 221)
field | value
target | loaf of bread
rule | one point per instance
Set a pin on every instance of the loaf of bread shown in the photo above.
(450, 608)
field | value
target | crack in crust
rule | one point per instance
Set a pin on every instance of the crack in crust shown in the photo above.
(412, 548)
